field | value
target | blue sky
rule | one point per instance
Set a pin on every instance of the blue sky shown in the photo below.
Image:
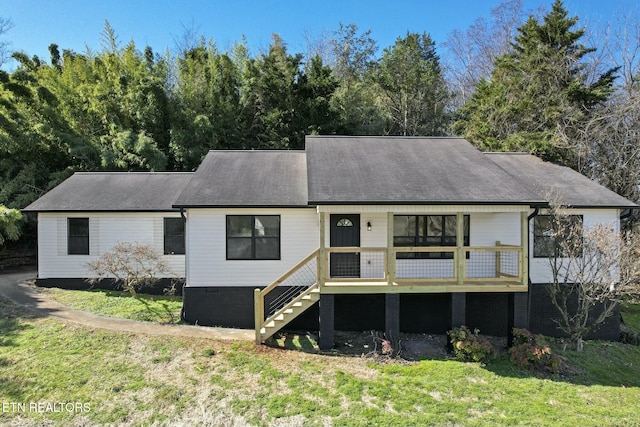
(72, 24)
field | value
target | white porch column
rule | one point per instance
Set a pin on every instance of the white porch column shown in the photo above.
(391, 252)
(460, 258)
(322, 253)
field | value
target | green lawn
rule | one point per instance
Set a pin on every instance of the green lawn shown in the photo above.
(150, 308)
(631, 316)
(135, 379)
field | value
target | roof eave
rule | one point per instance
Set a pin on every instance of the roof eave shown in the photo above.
(234, 206)
(98, 210)
(534, 203)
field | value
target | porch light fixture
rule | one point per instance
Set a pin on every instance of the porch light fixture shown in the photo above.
(368, 225)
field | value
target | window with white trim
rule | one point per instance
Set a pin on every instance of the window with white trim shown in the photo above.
(78, 236)
(255, 237)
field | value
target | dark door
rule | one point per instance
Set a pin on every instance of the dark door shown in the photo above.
(345, 231)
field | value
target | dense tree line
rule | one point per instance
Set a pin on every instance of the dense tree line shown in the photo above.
(122, 108)
(510, 82)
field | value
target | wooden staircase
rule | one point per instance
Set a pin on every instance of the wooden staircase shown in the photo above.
(289, 312)
(300, 292)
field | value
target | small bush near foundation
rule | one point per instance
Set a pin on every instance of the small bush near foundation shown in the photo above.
(628, 337)
(532, 352)
(468, 346)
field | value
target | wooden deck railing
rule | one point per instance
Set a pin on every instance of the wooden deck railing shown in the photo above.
(295, 281)
(376, 269)
(429, 264)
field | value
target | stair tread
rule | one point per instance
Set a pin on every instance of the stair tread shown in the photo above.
(290, 311)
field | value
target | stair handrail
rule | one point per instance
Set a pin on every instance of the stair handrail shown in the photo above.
(259, 294)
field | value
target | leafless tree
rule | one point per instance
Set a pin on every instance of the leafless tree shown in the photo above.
(5, 46)
(606, 146)
(621, 45)
(470, 54)
(593, 269)
(133, 265)
(319, 45)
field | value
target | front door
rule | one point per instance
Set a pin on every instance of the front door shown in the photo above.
(345, 231)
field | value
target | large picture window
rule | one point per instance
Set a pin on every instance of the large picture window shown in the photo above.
(427, 230)
(253, 237)
(173, 236)
(78, 236)
(546, 231)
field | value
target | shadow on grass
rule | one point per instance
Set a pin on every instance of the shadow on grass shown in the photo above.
(157, 307)
(14, 391)
(11, 322)
(630, 316)
(602, 363)
(11, 326)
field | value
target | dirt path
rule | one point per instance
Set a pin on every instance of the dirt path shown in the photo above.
(13, 286)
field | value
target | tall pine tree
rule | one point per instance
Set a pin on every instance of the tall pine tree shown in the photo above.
(413, 88)
(538, 94)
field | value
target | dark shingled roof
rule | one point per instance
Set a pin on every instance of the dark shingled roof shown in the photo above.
(114, 191)
(386, 170)
(248, 178)
(554, 180)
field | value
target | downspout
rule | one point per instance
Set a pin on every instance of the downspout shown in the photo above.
(536, 211)
(533, 214)
(184, 219)
(628, 212)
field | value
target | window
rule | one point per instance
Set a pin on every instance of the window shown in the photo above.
(78, 236)
(344, 222)
(546, 230)
(173, 236)
(427, 230)
(253, 237)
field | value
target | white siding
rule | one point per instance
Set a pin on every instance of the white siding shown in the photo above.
(206, 244)
(206, 247)
(105, 230)
(539, 268)
(372, 263)
(486, 229)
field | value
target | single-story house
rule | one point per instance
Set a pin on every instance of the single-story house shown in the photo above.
(399, 234)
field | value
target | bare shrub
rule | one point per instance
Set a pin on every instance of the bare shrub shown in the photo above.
(593, 269)
(133, 265)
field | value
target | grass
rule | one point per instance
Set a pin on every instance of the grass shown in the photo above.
(150, 308)
(131, 379)
(631, 316)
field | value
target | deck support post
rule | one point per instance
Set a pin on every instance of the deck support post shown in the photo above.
(258, 311)
(458, 309)
(521, 310)
(327, 321)
(518, 313)
(392, 317)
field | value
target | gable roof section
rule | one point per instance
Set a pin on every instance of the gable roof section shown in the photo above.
(550, 180)
(248, 178)
(409, 170)
(114, 191)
